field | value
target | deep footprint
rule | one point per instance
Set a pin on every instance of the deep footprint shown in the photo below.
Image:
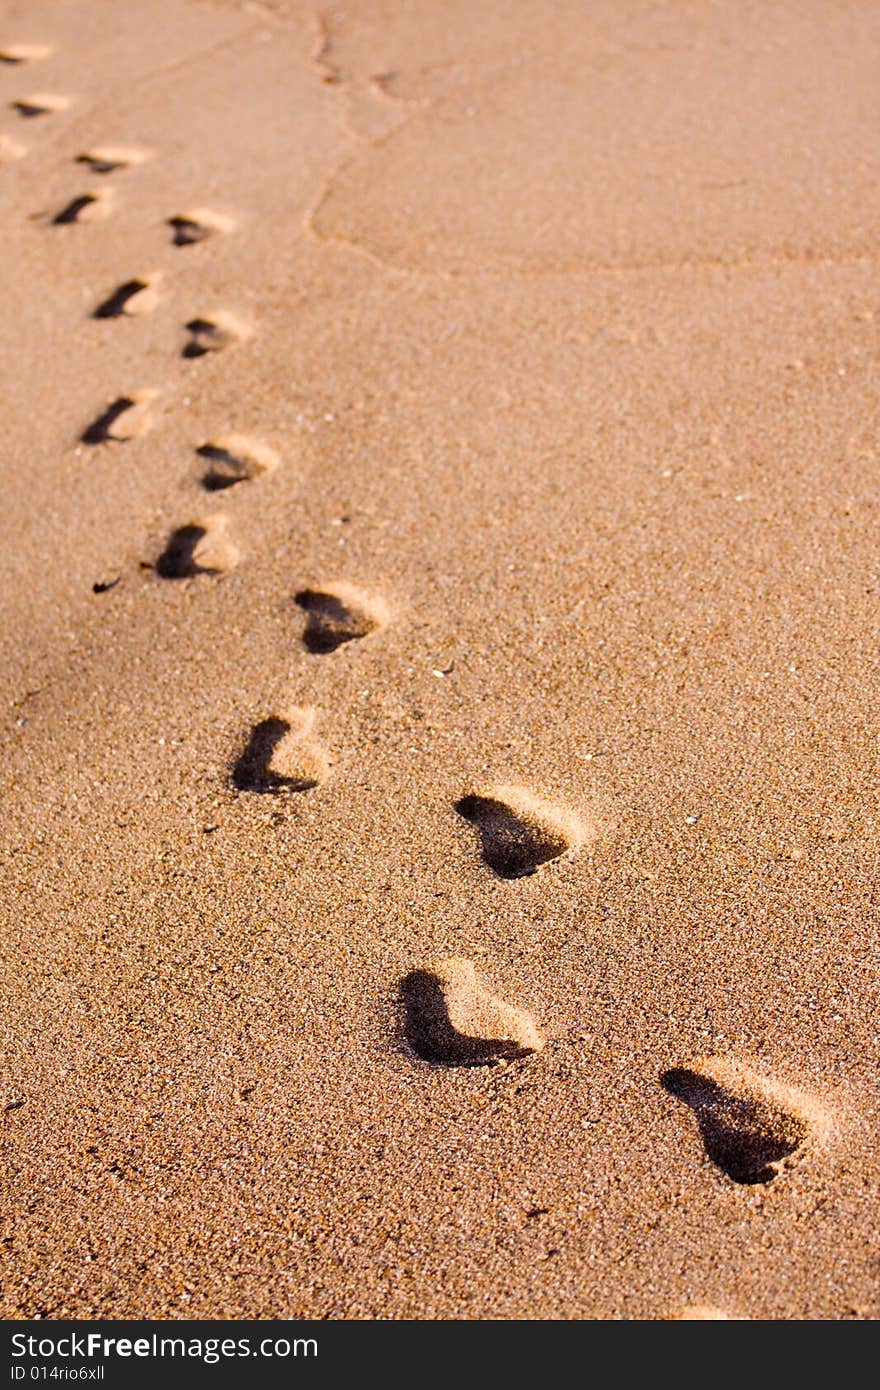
(126, 418)
(281, 756)
(86, 207)
(199, 547)
(220, 330)
(520, 832)
(235, 458)
(752, 1127)
(134, 298)
(191, 227)
(452, 1018)
(340, 613)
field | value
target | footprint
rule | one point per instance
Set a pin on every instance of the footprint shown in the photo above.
(212, 334)
(191, 227)
(10, 149)
(107, 158)
(200, 547)
(281, 755)
(752, 1127)
(340, 613)
(519, 831)
(87, 207)
(451, 1017)
(25, 52)
(235, 458)
(126, 418)
(133, 298)
(43, 104)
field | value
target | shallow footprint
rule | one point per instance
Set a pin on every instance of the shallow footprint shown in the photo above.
(340, 613)
(126, 418)
(518, 830)
(10, 149)
(452, 1018)
(191, 227)
(752, 1127)
(86, 207)
(42, 104)
(25, 52)
(134, 298)
(281, 755)
(200, 547)
(220, 330)
(105, 159)
(235, 458)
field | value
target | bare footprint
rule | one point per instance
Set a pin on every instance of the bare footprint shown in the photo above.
(282, 756)
(519, 831)
(126, 418)
(10, 149)
(105, 159)
(93, 206)
(188, 228)
(133, 298)
(752, 1127)
(212, 334)
(235, 458)
(25, 52)
(200, 547)
(340, 613)
(41, 104)
(452, 1018)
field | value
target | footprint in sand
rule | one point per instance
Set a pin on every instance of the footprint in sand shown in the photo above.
(188, 228)
(451, 1017)
(41, 104)
(519, 831)
(200, 547)
(235, 458)
(752, 1127)
(10, 149)
(106, 159)
(134, 298)
(340, 613)
(25, 52)
(93, 206)
(126, 418)
(282, 756)
(215, 332)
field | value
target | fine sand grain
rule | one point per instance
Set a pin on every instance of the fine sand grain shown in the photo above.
(439, 653)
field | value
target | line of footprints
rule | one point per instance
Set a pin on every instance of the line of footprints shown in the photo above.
(752, 1127)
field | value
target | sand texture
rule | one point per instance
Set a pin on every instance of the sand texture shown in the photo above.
(440, 663)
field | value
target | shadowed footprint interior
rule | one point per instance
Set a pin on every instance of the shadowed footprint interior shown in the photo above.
(746, 1135)
(191, 227)
(200, 547)
(338, 614)
(451, 1018)
(280, 757)
(123, 419)
(134, 297)
(518, 831)
(235, 458)
(86, 207)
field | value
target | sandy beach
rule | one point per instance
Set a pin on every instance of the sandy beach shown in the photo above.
(439, 659)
